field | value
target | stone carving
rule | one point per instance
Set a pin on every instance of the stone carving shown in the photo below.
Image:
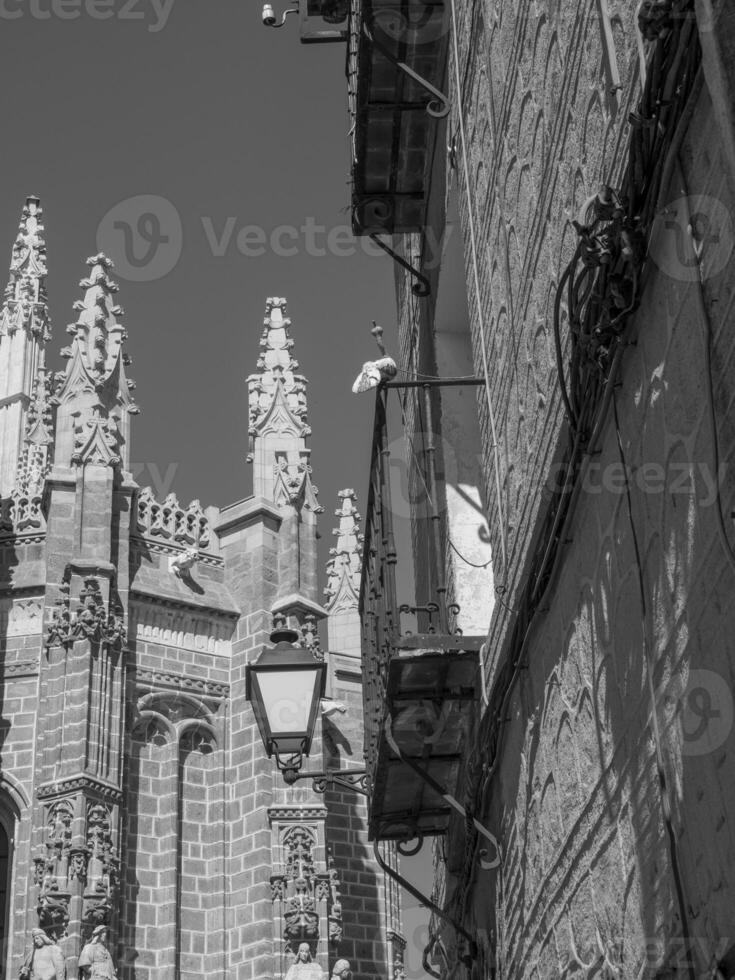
(298, 886)
(20, 511)
(181, 628)
(25, 306)
(170, 521)
(277, 368)
(95, 960)
(97, 440)
(304, 967)
(90, 621)
(278, 888)
(345, 564)
(96, 364)
(399, 972)
(335, 903)
(51, 872)
(181, 682)
(85, 783)
(20, 617)
(45, 961)
(293, 484)
(341, 970)
(299, 843)
(102, 870)
(310, 634)
(181, 565)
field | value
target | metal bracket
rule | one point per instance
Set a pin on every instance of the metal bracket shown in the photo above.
(412, 890)
(445, 794)
(290, 768)
(354, 779)
(420, 288)
(438, 106)
(269, 18)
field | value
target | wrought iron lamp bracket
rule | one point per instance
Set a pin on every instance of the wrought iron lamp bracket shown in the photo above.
(438, 107)
(420, 288)
(290, 767)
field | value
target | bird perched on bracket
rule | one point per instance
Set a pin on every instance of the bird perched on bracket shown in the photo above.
(375, 372)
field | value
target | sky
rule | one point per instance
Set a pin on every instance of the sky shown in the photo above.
(178, 136)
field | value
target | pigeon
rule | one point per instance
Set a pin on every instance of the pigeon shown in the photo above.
(375, 372)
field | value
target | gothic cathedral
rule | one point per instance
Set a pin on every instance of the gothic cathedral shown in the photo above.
(143, 831)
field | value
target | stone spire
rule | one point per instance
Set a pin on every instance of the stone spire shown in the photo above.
(343, 579)
(278, 428)
(24, 330)
(94, 395)
(345, 564)
(278, 432)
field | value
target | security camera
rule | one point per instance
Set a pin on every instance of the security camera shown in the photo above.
(269, 18)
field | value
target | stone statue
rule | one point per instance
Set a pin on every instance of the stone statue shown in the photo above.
(95, 959)
(304, 968)
(341, 970)
(45, 961)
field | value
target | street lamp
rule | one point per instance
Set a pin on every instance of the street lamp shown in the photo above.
(285, 686)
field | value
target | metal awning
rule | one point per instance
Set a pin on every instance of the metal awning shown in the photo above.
(396, 66)
(432, 680)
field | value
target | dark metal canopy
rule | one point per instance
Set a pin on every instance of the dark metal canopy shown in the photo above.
(396, 66)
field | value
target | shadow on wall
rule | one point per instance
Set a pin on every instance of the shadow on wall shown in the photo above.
(619, 688)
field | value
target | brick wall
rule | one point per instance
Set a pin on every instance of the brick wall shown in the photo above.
(587, 881)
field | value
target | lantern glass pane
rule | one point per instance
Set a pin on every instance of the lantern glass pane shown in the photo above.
(287, 699)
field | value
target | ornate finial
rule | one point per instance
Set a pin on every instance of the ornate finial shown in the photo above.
(345, 564)
(277, 366)
(97, 333)
(25, 306)
(95, 391)
(278, 428)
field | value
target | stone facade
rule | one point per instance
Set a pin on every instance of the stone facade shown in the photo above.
(600, 756)
(135, 792)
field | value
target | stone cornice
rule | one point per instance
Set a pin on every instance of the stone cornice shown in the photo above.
(12, 540)
(296, 813)
(76, 784)
(146, 597)
(20, 668)
(157, 680)
(246, 513)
